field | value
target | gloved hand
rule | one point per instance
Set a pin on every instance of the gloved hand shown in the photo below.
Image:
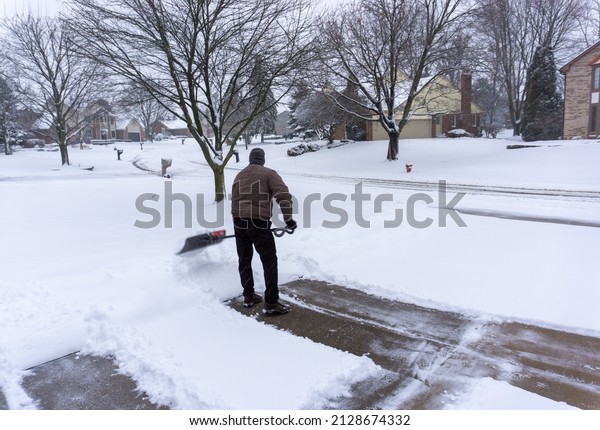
(291, 224)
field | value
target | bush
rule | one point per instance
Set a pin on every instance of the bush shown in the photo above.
(32, 143)
(297, 150)
(458, 132)
(303, 148)
(492, 130)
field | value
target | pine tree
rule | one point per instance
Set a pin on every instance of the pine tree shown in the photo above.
(259, 102)
(542, 110)
(300, 91)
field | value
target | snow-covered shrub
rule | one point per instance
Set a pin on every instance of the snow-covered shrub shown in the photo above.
(313, 146)
(458, 132)
(491, 130)
(303, 148)
(297, 150)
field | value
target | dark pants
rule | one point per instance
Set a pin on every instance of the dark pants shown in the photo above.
(255, 233)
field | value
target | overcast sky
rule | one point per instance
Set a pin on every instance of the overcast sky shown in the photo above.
(50, 7)
(42, 7)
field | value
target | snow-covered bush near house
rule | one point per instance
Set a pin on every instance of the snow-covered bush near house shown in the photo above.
(303, 148)
(297, 150)
(458, 132)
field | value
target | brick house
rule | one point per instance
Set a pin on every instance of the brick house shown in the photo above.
(582, 95)
(439, 107)
(171, 128)
(94, 124)
(103, 126)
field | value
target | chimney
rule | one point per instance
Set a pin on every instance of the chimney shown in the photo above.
(466, 93)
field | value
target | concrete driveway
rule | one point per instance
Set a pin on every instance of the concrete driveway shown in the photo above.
(427, 355)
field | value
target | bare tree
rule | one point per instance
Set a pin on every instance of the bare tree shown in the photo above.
(514, 28)
(8, 105)
(488, 94)
(51, 78)
(589, 26)
(317, 112)
(384, 48)
(196, 58)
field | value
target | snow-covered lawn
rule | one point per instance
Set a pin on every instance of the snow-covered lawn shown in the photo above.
(77, 274)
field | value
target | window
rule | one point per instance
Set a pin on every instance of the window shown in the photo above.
(593, 119)
(596, 77)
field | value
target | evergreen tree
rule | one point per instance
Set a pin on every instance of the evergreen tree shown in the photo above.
(259, 102)
(300, 92)
(318, 113)
(352, 103)
(265, 122)
(542, 110)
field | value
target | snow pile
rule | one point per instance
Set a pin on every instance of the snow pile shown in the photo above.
(488, 394)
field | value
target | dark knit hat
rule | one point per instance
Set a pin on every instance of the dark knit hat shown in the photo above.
(257, 156)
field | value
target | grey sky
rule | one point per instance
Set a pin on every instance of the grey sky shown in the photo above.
(50, 7)
(41, 7)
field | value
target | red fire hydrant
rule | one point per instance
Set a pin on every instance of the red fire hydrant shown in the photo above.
(408, 168)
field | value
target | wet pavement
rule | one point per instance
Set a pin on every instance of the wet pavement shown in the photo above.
(83, 382)
(428, 356)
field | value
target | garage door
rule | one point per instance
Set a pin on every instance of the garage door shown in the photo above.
(134, 137)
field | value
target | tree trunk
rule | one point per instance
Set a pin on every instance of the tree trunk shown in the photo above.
(220, 192)
(393, 146)
(517, 128)
(7, 150)
(64, 153)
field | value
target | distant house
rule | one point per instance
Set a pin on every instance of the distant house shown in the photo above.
(438, 108)
(582, 95)
(130, 129)
(100, 124)
(171, 128)
(40, 126)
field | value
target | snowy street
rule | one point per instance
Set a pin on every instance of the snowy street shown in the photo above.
(78, 275)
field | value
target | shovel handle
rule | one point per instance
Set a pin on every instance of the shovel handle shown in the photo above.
(278, 232)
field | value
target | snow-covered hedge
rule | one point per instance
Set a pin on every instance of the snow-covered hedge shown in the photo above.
(303, 148)
(458, 132)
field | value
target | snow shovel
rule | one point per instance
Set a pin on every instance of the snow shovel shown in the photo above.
(206, 239)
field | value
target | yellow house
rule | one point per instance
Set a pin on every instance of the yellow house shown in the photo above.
(438, 108)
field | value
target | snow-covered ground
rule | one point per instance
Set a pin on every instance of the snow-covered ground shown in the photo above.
(76, 273)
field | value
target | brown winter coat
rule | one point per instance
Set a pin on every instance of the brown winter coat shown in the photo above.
(254, 189)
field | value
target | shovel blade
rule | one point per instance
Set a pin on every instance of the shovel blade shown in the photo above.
(202, 240)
